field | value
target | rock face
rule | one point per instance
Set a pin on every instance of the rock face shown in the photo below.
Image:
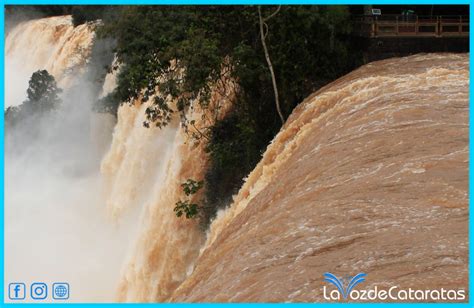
(369, 174)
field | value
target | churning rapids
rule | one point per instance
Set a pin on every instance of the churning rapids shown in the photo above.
(369, 174)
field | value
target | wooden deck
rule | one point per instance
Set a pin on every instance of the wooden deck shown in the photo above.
(412, 25)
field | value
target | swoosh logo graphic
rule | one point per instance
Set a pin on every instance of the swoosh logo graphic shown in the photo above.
(332, 279)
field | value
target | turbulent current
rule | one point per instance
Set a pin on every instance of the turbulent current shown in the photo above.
(49, 43)
(145, 168)
(369, 174)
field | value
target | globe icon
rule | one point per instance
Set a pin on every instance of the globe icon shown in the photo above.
(60, 291)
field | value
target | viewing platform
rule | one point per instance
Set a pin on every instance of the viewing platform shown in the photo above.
(381, 26)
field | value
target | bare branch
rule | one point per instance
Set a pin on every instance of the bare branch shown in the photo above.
(273, 14)
(266, 30)
(269, 62)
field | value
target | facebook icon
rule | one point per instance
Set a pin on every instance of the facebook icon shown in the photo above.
(16, 290)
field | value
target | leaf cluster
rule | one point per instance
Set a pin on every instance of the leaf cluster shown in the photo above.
(170, 56)
(190, 209)
(42, 98)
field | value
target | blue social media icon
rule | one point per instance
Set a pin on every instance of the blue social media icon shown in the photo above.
(60, 290)
(39, 290)
(16, 290)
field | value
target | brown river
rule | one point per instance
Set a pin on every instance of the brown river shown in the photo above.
(369, 174)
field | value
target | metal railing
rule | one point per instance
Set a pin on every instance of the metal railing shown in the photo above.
(411, 25)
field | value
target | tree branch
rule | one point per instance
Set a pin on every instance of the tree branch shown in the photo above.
(269, 62)
(273, 14)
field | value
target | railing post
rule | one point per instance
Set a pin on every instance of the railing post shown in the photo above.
(372, 27)
(398, 26)
(438, 25)
(375, 27)
(416, 25)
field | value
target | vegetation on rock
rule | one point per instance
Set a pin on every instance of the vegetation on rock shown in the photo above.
(43, 97)
(172, 56)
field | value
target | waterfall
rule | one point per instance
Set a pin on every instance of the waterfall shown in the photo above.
(55, 220)
(89, 198)
(50, 43)
(145, 168)
(115, 226)
(369, 174)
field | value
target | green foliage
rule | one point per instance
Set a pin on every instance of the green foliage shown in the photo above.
(185, 207)
(163, 56)
(43, 97)
(42, 92)
(190, 187)
(86, 13)
(169, 53)
(172, 55)
(191, 210)
(235, 147)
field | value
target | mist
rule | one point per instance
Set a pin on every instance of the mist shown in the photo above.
(56, 226)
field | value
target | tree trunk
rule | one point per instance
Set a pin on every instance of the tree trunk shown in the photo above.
(270, 66)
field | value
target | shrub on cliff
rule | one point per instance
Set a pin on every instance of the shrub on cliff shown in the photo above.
(42, 98)
(178, 52)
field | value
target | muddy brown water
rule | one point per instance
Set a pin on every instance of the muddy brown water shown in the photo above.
(369, 174)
